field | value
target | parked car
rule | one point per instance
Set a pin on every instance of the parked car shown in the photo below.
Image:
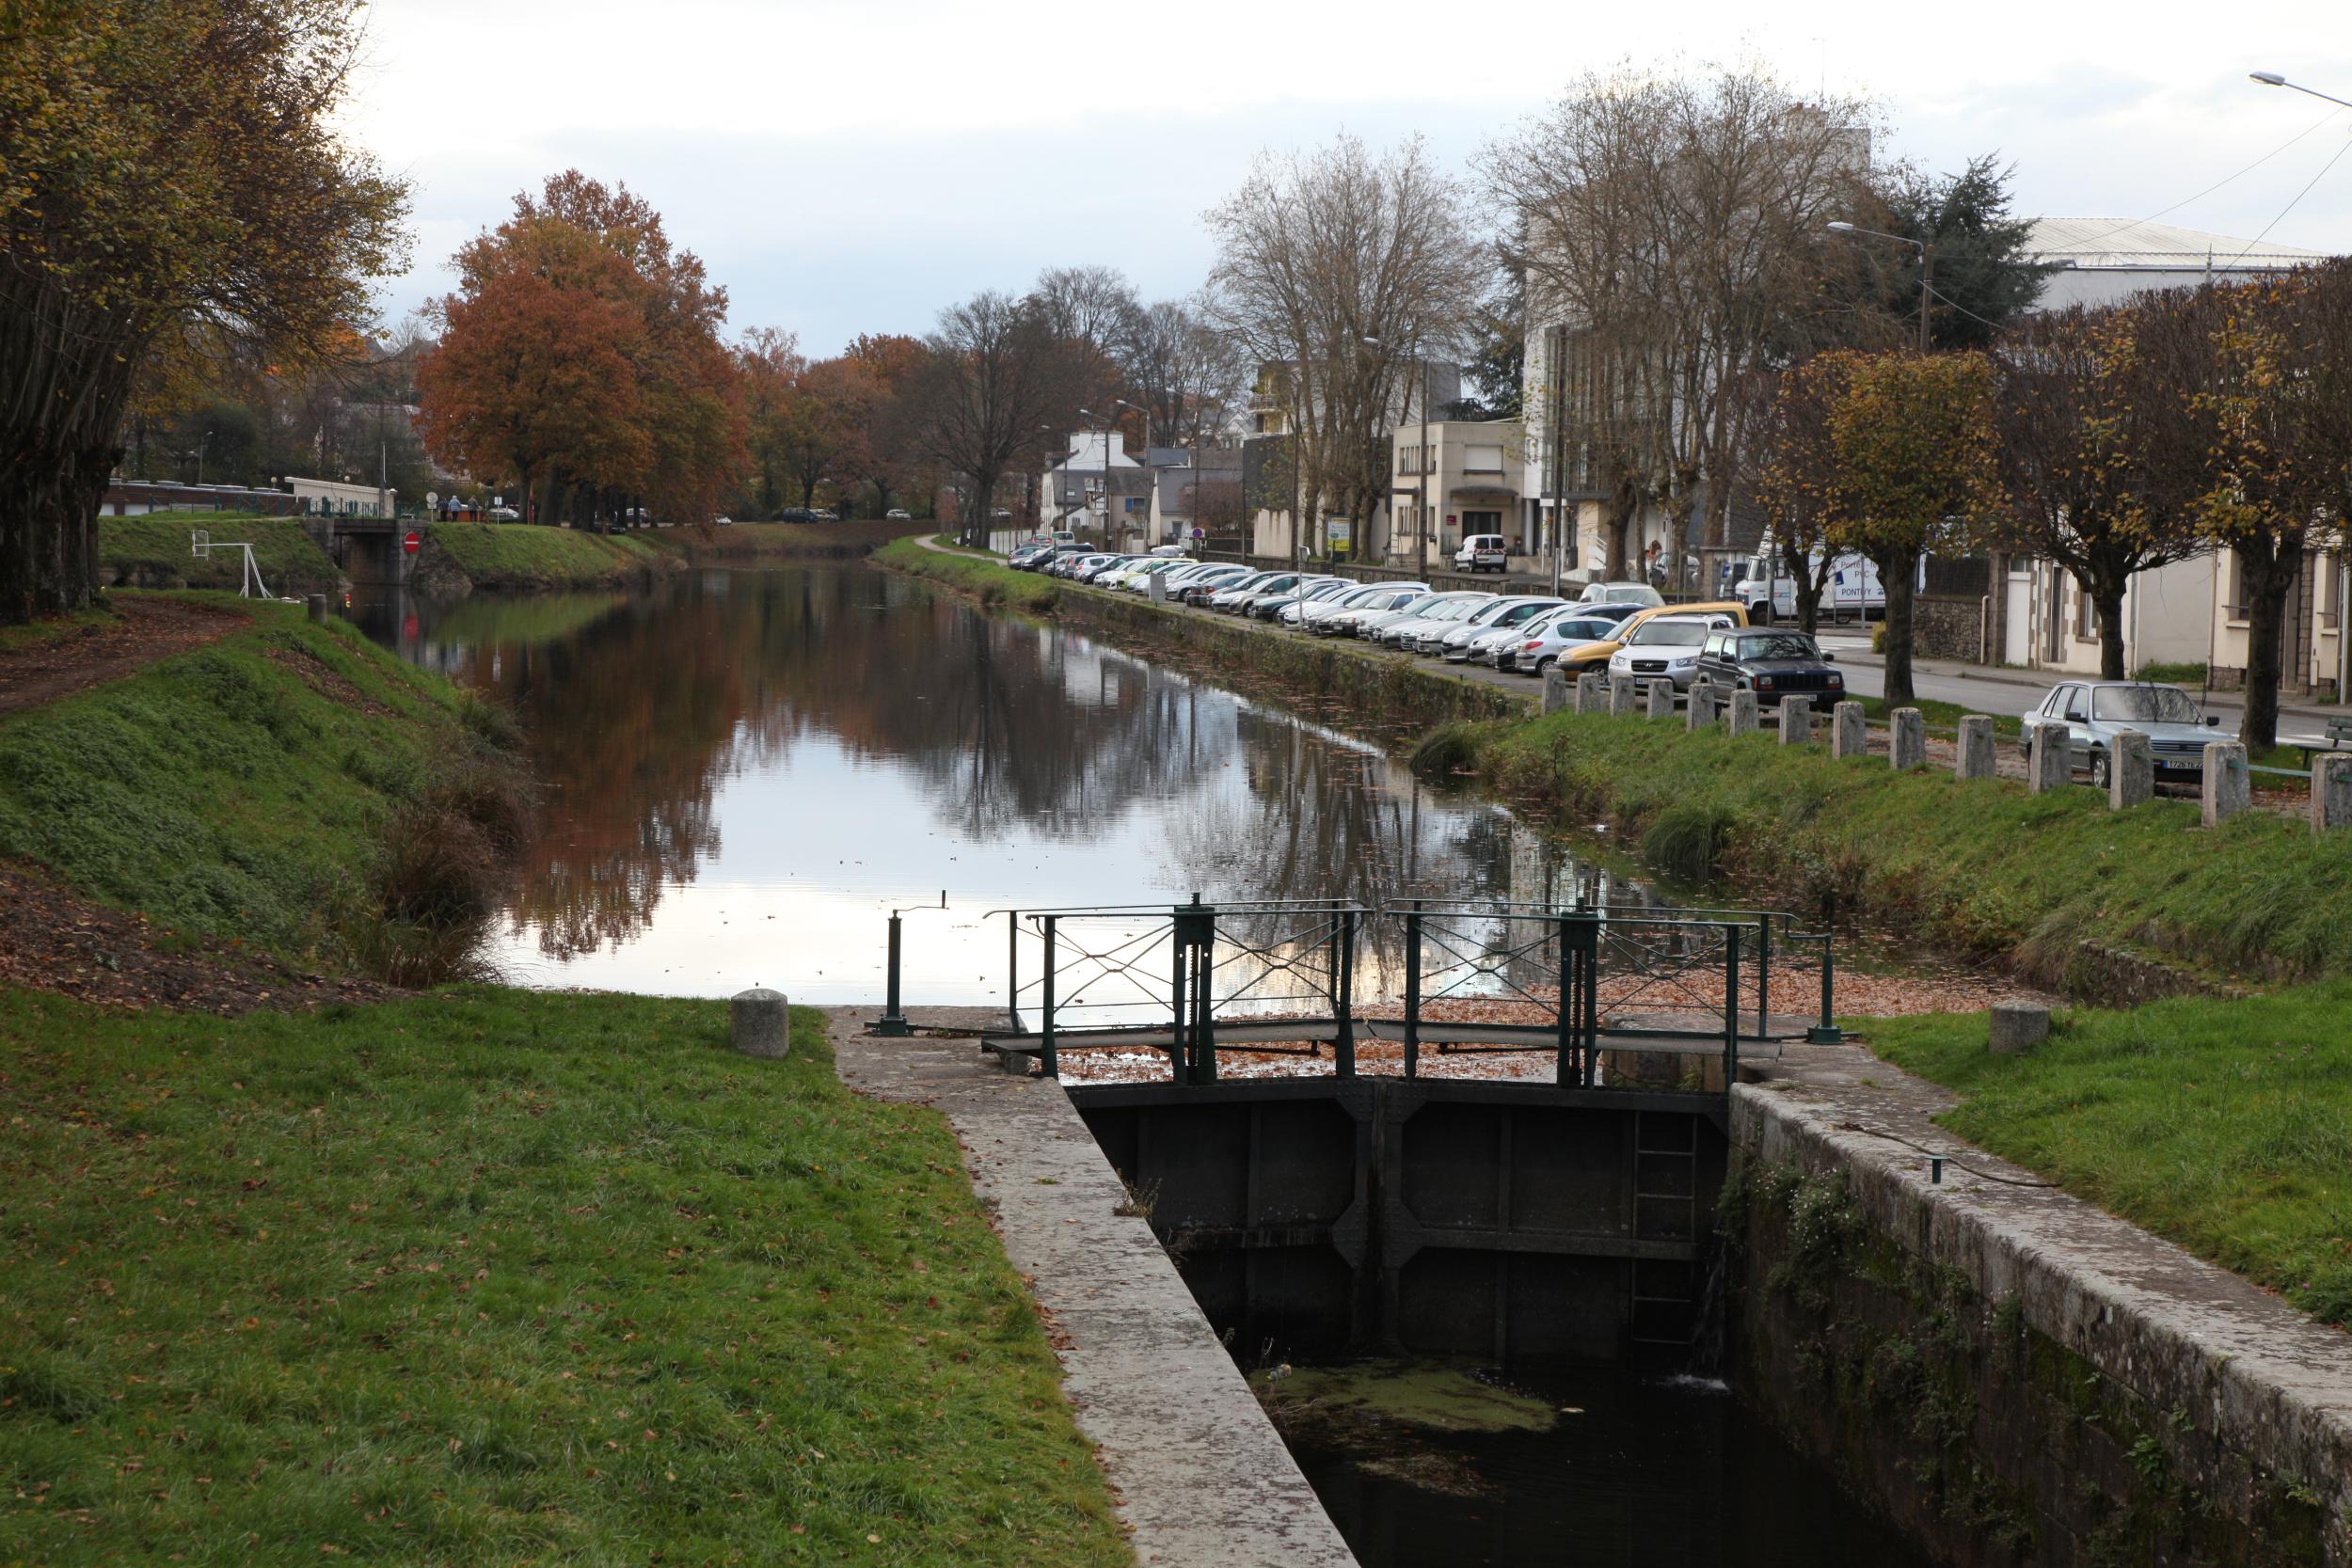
(1481, 552)
(723, 521)
(1428, 636)
(1231, 599)
(796, 514)
(1209, 580)
(897, 515)
(1440, 610)
(1384, 599)
(1665, 647)
(1368, 626)
(1504, 615)
(1265, 606)
(2093, 711)
(1548, 638)
(1771, 664)
(1029, 556)
(1318, 617)
(1596, 656)
(1621, 593)
(1293, 613)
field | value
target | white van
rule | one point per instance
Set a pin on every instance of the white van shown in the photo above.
(1854, 590)
(1481, 552)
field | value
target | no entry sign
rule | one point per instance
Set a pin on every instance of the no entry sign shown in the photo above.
(412, 541)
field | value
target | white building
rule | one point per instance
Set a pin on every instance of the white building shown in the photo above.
(326, 496)
(1070, 492)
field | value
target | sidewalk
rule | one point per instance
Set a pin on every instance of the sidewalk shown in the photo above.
(1857, 655)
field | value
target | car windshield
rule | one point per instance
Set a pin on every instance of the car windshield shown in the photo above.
(1654, 634)
(2146, 705)
(1779, 645)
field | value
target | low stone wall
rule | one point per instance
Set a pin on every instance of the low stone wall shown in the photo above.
(2013, 1377)
(1948, 626)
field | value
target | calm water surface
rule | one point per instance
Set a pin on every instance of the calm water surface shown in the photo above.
(748, 770)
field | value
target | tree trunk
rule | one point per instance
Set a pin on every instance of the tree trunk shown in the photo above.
(1896, 574)
(975, 530)
(2108, 600)
(2269, 578)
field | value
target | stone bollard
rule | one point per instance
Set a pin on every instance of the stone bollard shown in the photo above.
(2130, 771)
(1742, 719)
(1555, 690)
(1796, 721)
(2331, 793)
(1976, 748)
(1621, 695)
(1701, 713)
(762, 1022)
(1849, 736)
(1907, 739)
(1591, 693)
(2017, 1026)
(1661, 699)
(2228, 787)
(318, 610)
(2049, 758)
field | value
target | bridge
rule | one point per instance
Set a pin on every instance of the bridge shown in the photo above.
(367, 550)
(1384, 1189)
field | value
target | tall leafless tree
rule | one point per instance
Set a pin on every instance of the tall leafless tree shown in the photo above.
(1346, 269)
(991, 375)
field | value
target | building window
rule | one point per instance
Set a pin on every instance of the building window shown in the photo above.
(2086, 614)
(2331, 594)
(1482, 460)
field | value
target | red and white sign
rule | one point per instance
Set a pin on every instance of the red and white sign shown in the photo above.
(412, 541)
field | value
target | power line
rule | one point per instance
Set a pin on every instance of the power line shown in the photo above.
(2299, 197)
(2201, 196)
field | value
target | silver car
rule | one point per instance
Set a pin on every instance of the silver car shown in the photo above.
(2093, 711)
(1503, 613)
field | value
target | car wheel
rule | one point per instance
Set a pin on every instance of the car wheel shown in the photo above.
(2099, 770)
(1541, 666)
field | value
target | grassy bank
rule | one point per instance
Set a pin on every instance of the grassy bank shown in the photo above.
(2223, 1126)
(517, 558)
(153, 552)
(1981, 867)
(990, 583)
(248, 789)
(742, 543)
(500, 1277)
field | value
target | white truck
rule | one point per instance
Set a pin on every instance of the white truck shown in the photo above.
(1853, 591)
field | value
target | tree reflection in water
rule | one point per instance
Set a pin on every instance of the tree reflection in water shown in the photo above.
(644, 712)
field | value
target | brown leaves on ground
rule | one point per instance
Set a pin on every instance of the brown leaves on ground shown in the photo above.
(53, 938)
(138, 631)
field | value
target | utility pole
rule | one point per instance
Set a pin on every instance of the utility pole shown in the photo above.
(1926, 292)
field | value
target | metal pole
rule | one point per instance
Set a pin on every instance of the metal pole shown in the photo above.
(1343, 986)
(1046, 1059)
(1177, 1053)
(1927, 292)
(1731, 1006)
(1013, 969)
(1826, 1032)
(1571, 1002)
(1763, 976)
(1412, 990)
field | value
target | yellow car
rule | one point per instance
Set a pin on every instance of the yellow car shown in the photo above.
(1594, 657)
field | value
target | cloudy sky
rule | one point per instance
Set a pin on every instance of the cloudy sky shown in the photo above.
(847, 165)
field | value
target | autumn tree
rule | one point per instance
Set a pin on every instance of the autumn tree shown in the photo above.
(2100, 461)
(172, 180)
(2279, 415)
(990, 375)
(1346, 269)
(1794, 473)
(891, 363)
(1914, 441)
(770, 364)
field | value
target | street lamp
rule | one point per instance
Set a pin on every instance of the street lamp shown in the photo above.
(2272, 79)
(1927, 268)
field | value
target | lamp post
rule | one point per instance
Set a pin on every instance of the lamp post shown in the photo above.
(1927, 268)
(2272, 79)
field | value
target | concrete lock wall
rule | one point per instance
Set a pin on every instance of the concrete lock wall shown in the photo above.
(1519, 1223)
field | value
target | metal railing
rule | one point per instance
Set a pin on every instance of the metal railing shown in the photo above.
(1289, 977)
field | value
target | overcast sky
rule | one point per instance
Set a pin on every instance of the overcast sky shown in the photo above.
(850, 166)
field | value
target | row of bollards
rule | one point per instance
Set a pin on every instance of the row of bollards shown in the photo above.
(2228, 784)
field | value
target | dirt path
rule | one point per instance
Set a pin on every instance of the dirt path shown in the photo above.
(142, 630)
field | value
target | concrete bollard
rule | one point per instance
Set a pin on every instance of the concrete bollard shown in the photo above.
(1907, 739)
(1701, 713)
(318, 610)
(1555, 690)
(2017, 1026)
(1849, 736)
(2331, 793)
(1661, 699)
(2130, 771)
(1796, 721)
(2049, 758)
(1591, 693)
(1621, 695)
(1742, 719)
(2228, 787)
(762, 1022)
(1976, 748)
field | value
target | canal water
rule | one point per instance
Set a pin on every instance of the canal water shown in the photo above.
(748, 770)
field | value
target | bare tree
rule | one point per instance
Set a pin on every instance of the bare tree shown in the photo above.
(1346, 269)
(1674, 230)
(1094, 312)
(1184, 374)
(991, 372)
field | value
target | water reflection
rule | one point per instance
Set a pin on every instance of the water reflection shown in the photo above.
(748, 769)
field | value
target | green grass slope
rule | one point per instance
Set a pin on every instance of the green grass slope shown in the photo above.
(2223, 1126)
(153, 552)
(237, 789)
(992, 582)
(500, 1277)
(515, 556)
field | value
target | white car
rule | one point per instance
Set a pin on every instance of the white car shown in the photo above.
(1501, 617)
(1483, 553)
(1322, 593)
(1441, 611)
(1350, 620)
(1621, 593)
(1318, 617)
(1547, 637)
(1665, 647)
